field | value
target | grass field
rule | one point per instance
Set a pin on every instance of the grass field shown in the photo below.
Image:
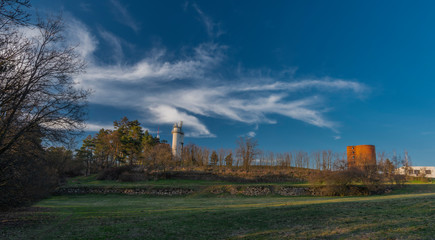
(404, 214)
(90, 181)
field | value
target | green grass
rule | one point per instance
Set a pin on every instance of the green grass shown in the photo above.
(415, 188)
(427, 181)
(90, 181)
(409, 214)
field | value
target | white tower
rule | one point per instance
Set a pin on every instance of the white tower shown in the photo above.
(177, 139)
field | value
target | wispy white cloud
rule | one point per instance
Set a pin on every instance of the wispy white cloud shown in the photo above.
(85, 6)
(191, 87)
(251, 134)
(155, 68)
(78, 34)
(65, 124)
(169, 114)
(337, 137)
(115, 43)
(322, 84)
(124, 16)
(95, 127)
(213, 29)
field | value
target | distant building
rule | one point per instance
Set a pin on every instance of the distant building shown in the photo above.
(417, 171)
(177, 139)
(361, 155)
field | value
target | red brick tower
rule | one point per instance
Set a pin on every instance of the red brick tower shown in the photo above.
(361, 155)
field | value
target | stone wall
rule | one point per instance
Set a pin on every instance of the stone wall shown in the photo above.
(171, 191)
(258, 190)
(130, 191)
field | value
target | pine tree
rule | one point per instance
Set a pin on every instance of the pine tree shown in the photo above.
(214, 158)
(229, 160)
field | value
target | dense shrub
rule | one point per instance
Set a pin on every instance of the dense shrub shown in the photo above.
(64, 163)
(230, 176)
(340, 190)
(25, 179)
(129, 176)
(114, 173)
(353, 181)
(417, 179)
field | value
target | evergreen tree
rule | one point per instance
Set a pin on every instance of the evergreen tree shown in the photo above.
(214, 158)
(229, 160)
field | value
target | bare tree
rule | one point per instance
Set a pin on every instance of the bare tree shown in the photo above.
(187, 156)
(288, 159)
(37, 92)
(221, 157)
(317, 158)
(340, 163)
(381, 157)
(407, 159)
(306, 160)
(261, 158)
(205, 156)
(271, 159)
(299, 159)
(163, 156)
(326, 160)
(247, 151)
(38, 101)
(280, 159)
(336, 164)
(197, 155)
(12, 13)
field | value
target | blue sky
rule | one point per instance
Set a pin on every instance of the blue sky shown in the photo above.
(297, 75)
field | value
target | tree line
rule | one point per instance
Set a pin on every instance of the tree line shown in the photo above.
(129, 144)
(129, 153)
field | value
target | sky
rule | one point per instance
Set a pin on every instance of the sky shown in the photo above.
(295, 75)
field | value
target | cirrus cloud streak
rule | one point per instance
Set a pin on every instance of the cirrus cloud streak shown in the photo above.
(191, 87)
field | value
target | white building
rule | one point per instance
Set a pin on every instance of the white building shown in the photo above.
(177, 139)
(418, 171)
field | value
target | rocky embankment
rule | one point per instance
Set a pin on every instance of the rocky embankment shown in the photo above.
(259, 190)
(169, 191)
(175, 191)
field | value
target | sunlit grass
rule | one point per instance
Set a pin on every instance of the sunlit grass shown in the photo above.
(395, 216)
(406, 213)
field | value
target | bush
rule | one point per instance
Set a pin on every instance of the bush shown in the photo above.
(345, 182)
(26, 179)
(230, 176)
(114, 173)
(132, 177)
(340, 190)
(64, 163)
